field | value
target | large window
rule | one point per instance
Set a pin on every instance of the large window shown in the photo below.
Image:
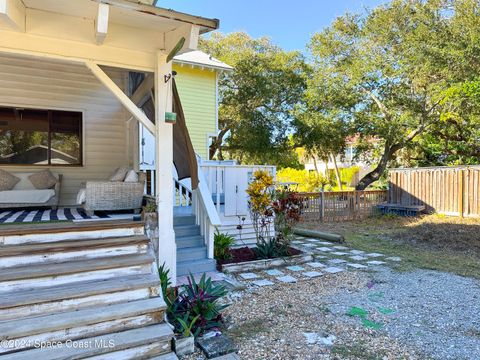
(40, 137)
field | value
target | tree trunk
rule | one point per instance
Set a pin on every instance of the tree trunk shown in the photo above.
(337, 173)
(376, 173)
(217, 145)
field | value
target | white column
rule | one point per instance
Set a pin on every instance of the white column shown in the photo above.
(167, 249)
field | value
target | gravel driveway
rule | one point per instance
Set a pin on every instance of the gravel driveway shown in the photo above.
(434, 311)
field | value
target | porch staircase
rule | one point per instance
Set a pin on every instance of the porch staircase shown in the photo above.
(191, 248)
(92, 283)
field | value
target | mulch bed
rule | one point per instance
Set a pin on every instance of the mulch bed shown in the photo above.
(246, 254)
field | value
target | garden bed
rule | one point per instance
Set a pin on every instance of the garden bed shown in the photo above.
(244, 259)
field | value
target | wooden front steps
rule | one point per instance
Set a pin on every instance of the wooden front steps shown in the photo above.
(89, 284)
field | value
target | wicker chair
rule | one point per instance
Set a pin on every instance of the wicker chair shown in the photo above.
(109, 195)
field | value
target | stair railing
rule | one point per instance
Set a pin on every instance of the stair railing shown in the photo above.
(182, 195)
(206, 214)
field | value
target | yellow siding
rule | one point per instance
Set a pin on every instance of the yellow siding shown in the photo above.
(54, 85)
(197, 89)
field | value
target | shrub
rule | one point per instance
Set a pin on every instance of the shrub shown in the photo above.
(307, 181)
(259, 203)
(287, 208)
(222, 244)
(193, 308)
(200, 301)
(268, 249)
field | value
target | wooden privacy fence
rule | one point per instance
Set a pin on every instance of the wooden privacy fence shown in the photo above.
(340, 205)
(446, 190)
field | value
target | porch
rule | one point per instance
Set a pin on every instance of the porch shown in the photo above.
(73, 76)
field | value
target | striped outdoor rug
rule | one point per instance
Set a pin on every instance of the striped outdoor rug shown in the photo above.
(25, 216)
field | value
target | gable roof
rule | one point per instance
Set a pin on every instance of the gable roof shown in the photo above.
(199, 58)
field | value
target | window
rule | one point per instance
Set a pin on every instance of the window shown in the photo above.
(40, 137)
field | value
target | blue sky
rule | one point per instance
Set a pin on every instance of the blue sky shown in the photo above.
(289, 24)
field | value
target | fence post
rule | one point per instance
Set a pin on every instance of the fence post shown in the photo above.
(322, 211)
(460, 193)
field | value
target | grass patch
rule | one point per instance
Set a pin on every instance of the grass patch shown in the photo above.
(435, 242)
(418, 257)
(249, 329)
(357, 351)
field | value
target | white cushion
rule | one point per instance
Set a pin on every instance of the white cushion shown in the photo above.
(26, 196)
(81, 196)
(132, 176)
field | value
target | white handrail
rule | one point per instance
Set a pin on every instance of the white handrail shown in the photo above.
(205, 212)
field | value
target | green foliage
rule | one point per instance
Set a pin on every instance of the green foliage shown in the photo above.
(193, 308)
(200, 301)
(389, 76)
(269, 249)
(222, 245)
(307, 181)
(256, 98)
(150, 207)
(348, 174)
(186, 324)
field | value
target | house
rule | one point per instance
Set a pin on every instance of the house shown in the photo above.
(72, 78)
(196, 77)
(347, 160)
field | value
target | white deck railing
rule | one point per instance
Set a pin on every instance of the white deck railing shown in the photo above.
(215, 175)
(205, 212)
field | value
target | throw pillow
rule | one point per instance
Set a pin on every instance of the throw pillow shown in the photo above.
(132, 176)
(119, 174)
(7, 180)
(43, 180)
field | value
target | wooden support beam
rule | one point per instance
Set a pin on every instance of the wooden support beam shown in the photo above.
(12, 14)
(143, 91)
(120, 95)
(189, 32)
(101, 23)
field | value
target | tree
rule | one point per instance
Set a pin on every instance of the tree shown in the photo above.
(256, 99)
(386, 75)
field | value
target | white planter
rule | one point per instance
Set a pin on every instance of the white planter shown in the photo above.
(184, 345)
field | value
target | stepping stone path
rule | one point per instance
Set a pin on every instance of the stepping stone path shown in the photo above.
(287, 279)
(316, 265)
(357, 266)
(333, 270)
(358, 258)
(248, 276)
(337, 261)
(295, 268)
(312, 274)
(262, 282)
(374, 255)
(274, 272)
(313, 269)
(357, 252)
(394, 258)
(376, 262)
(324, 249)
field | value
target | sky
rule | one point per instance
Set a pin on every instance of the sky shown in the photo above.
(289, 23)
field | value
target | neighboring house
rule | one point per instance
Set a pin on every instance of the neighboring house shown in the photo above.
(66, 70)
(343, 161)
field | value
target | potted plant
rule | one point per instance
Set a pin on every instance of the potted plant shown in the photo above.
(184, 341)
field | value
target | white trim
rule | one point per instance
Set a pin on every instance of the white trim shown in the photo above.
(120, 95)
(36, 107)
(216, 102)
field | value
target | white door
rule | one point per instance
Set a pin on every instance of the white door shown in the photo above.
(236, 198)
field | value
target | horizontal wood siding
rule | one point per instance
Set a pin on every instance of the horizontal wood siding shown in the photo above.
(446, 190)
(197, 89)
(56, 85)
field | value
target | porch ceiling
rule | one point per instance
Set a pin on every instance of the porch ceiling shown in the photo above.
(125, 12)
